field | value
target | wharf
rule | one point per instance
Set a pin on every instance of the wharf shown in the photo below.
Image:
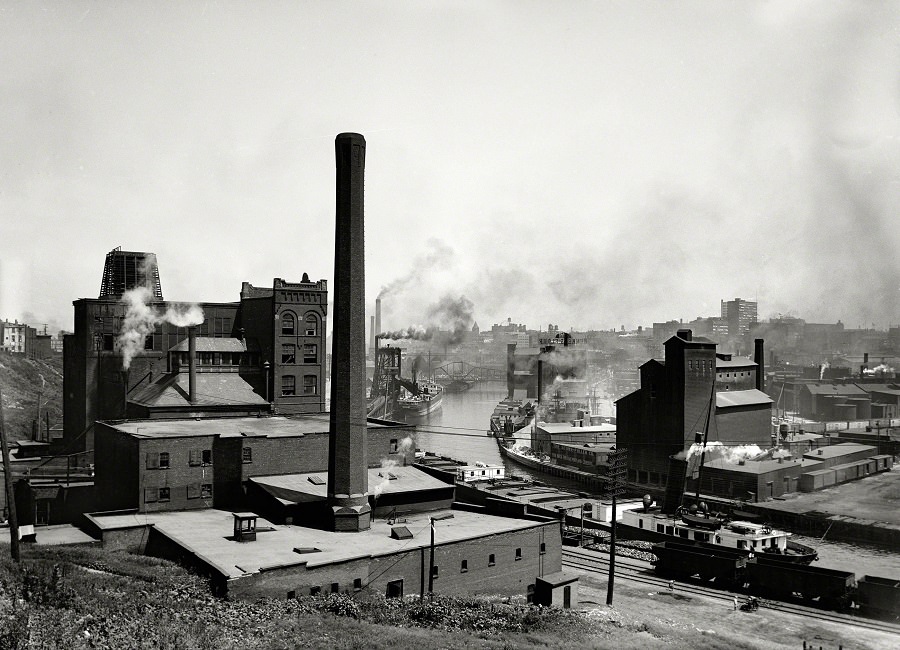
(862, 511)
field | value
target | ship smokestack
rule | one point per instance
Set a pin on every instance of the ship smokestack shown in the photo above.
(192, 364)
(760, 358)
(347, 460)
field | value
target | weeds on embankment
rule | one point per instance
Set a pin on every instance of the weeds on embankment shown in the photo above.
(82, 597)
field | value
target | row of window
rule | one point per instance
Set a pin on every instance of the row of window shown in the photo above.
(194, 491)
(196, 458)
(289, 353)
(289, 324)
(289, 385)
(395, 587)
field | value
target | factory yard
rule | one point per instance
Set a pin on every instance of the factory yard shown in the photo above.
(870, 500)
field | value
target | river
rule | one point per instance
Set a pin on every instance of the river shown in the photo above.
(459, 430)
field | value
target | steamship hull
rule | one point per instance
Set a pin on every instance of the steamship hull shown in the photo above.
(420, 406)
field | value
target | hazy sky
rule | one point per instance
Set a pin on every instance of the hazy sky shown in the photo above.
(587, 164)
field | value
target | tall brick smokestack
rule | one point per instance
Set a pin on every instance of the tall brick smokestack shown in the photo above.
(372, 332)
(760, 358)
(347, 461)
(192, 364)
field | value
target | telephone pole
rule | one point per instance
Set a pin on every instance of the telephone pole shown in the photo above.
(617, 461)
(10, 495)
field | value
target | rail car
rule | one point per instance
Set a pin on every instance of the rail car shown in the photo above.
(724, 566)
(732, 569)
(832, 588)
(879, 597)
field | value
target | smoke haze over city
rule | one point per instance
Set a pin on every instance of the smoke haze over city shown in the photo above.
(587, 164)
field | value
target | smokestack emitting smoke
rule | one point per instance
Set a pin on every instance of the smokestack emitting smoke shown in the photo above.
(141, 319)
(389, 463)
(192, 364)
(347, 460)
(455, 315)
(760, 358)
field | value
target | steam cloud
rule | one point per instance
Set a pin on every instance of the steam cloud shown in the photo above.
(141, 319)
(388, 464)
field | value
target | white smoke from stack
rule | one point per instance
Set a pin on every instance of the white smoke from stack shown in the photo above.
(881, 368)
(388, 464)
(731, 454)
(822, 370)
(141, 319)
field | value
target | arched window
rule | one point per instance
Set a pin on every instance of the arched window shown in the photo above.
(288, 323)
(312, 325)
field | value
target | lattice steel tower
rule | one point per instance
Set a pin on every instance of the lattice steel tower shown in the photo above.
(125, 270)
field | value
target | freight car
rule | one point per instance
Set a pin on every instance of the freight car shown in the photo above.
(879, 597)
(732, 569)
(832, 588)
(726, 567)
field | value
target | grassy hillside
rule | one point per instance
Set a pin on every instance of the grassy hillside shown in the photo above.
(21, 382)
(84, 597)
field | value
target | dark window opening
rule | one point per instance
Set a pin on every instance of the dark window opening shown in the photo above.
(206, 491)
(163, 460)
(543, 548)
(335, 587)
(464, 566)
(310, 385)
(288, 353)
(206, 458)
(315, 591)
(491, 561)
(288, 324)
(518, 554)
(310, 354)
(163, 494)
(357, 584)
(247, 455)
(288, 386)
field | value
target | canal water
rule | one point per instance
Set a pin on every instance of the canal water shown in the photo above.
(459, 430)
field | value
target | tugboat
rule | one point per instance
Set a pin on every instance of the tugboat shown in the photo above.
(765, 543)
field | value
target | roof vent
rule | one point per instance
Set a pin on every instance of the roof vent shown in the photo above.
(684, 334)
(401, 532)
(315, 480)
(306, 549)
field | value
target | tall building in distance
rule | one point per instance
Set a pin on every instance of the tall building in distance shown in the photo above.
(739, 314)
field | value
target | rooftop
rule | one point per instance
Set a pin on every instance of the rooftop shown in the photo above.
(212, 389)
(212, 344)
(313, 486)
(566, 427)
(729, 398)
(836, 451)
(207, 533)
(263, 427)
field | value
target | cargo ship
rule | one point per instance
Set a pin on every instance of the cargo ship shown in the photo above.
(423, 398)
(510, 416)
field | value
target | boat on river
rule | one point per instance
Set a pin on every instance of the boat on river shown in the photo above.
(510, 416)
(763, 542)
(426, 400)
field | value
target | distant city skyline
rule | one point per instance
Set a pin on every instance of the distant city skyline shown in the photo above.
(592, 165)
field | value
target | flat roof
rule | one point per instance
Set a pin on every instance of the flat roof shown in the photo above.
(739, 362)
(753, 466)
(566, 427)
(836, 451)
(593, 446)
(729, 398)
(297, 488)
(207, 533)
(261, 427)
(211, 344)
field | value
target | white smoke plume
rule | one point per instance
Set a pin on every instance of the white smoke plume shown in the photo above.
(387, 464)
(822, 370)
(141, 319)
(879, 369)
(731, 454)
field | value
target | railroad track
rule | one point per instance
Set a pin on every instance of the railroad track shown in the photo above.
(642, 572)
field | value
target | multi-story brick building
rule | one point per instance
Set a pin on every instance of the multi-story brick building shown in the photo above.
(739, 314)
(12, 336)
(184, 464)
(282, 329)
(664, 416)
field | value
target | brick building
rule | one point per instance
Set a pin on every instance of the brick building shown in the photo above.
(183, 464)
(663, 417)
(282, 329)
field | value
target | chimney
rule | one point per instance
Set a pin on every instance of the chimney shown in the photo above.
(377, 316)
(760, 358)
(192, 364)
(540, 379)
(372, 333)
(684, 334)
(347, 460)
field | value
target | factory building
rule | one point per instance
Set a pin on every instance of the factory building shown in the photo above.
(122, 344)
(664, 416)
(302, 504)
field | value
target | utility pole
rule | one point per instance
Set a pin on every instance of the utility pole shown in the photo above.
(431, 563)
(616, 479)
(10, 495)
